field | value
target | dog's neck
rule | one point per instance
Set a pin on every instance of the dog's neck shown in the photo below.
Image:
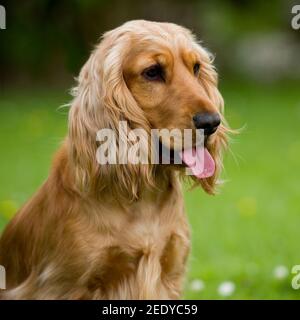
(165, 179)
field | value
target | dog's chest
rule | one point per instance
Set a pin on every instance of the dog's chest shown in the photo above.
(153, 242)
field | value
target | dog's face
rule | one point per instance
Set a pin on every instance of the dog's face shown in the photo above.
(173, 82)
(155, 76)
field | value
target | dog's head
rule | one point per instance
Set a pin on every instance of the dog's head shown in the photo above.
(154, 76)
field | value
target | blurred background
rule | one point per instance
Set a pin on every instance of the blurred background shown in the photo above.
(246, 239)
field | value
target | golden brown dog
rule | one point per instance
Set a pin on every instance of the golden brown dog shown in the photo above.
(118, 231)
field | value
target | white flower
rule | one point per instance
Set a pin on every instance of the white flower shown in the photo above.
(197, 285)
(280, 272)
(226, 289)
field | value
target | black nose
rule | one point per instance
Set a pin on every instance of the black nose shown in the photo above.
(207, 121)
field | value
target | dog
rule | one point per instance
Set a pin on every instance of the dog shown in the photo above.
(120, 231)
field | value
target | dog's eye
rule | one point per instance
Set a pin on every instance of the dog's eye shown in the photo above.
(196, 68)
(153, 73)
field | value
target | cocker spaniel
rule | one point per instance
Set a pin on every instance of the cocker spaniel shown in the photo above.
(119, 231)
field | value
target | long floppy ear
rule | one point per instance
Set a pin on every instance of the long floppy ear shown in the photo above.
(101, 101)
(219, 141)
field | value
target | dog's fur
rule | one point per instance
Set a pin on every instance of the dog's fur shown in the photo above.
(116, 231)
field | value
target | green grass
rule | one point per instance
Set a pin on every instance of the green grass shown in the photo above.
(240, 235)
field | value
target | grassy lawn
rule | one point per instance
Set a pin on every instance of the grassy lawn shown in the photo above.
(242, 234)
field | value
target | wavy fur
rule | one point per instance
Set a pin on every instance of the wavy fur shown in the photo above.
(116, 231)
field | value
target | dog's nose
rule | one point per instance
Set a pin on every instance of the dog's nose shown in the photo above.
(207, 121)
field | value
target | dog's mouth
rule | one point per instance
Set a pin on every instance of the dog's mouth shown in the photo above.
(197, 159)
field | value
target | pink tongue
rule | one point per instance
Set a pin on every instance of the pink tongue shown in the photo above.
(199, 161)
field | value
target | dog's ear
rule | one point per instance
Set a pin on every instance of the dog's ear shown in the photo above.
(84, 121)
(218, 142)
(101, 101)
